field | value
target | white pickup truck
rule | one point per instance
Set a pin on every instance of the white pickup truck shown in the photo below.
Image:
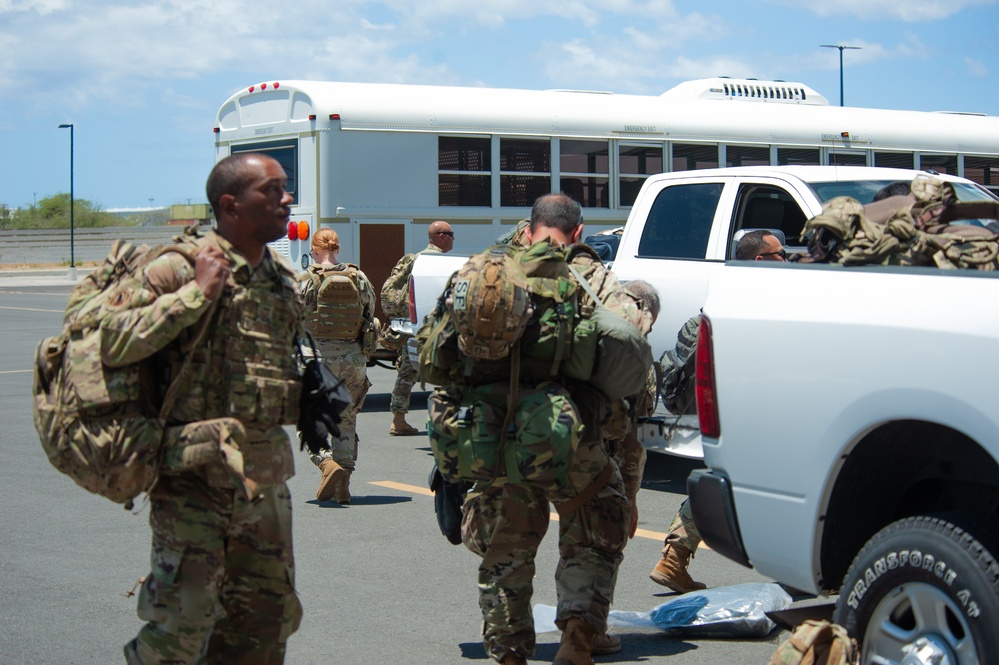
(682, 228)
(851, 435)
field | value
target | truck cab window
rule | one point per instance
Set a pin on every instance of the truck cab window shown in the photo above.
(760, 207)
(680, 222)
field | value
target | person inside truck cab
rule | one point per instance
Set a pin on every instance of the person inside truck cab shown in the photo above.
(760, 245)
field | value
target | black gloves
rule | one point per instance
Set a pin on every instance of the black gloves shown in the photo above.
(324, 398)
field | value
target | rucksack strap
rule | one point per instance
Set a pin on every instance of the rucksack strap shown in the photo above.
(586, 285)
(508, 454)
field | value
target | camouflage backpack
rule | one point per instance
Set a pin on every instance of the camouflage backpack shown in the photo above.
(98, 424)
(395, 291)
(679, 372)
(502, 430)
(504, 296)
(490, 303)
(562, 331)
(907, 231)
(816, 642)
(339, 311)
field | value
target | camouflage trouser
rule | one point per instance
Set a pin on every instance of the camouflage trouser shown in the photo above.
(505, 523)
(404, 382)
(348, 363)
(682, 530)
(222, 586)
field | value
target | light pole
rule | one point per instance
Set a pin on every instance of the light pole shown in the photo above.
(840, 47)
(72, 222)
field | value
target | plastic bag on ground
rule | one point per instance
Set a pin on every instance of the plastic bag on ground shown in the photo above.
(728, 611)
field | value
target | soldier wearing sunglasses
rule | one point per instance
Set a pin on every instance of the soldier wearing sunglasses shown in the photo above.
(760, 245)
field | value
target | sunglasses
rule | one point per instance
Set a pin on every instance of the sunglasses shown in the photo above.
(782, 253)
(450, 234)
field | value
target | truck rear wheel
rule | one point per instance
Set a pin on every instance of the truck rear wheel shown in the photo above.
(923, 587)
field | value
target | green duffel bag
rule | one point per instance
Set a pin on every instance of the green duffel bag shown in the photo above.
(542, 434)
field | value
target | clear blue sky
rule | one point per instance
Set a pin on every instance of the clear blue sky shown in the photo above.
(142, 81)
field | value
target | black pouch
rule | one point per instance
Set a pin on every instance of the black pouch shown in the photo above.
(448, 498)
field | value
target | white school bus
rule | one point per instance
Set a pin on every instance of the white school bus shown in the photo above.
(379, 162)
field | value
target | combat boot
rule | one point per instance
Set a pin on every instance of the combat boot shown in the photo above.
(400, 427)
(332, 474)
(671, 571)
(341, 493)
(576, 647)
(513, 659)
(605, 644)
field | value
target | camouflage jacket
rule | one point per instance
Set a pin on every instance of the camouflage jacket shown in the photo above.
(245, 368)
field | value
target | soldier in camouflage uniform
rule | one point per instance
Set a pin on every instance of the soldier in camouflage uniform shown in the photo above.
(504, 522)
(348, 359)
(441, 240)
(222, 582)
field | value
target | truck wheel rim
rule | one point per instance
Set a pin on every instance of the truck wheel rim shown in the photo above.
(919, 624)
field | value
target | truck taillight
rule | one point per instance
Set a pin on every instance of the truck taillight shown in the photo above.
(412, 302)
(707, 395)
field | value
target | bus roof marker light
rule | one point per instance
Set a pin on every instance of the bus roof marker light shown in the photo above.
(276, 85)
(252, 88)
(263, 86)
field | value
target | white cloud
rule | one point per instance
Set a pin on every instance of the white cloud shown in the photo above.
(495, 13)
(904, 10)
(39, 6)
(635, 56)
(976, 68)
(114, 51)
(95, 49)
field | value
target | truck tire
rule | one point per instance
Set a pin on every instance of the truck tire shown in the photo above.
(924, 585)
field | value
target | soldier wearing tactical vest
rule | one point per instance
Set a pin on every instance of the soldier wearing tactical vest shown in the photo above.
(340, 304)
(506, 520)
(222, 582)
(395, 304)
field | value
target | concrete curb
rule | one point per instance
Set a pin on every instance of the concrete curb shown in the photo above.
(43, 276)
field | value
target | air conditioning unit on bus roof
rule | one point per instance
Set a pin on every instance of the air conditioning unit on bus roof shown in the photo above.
(723, 88)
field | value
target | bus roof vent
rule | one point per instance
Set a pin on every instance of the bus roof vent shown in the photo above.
(750, 90)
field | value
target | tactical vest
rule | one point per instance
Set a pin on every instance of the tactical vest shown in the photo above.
(245, 370)
(339, 313)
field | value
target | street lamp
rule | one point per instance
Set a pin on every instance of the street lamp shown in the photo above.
(840, 47)
(72, 223)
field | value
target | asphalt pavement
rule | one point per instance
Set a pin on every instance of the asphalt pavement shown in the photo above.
(378, 581)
